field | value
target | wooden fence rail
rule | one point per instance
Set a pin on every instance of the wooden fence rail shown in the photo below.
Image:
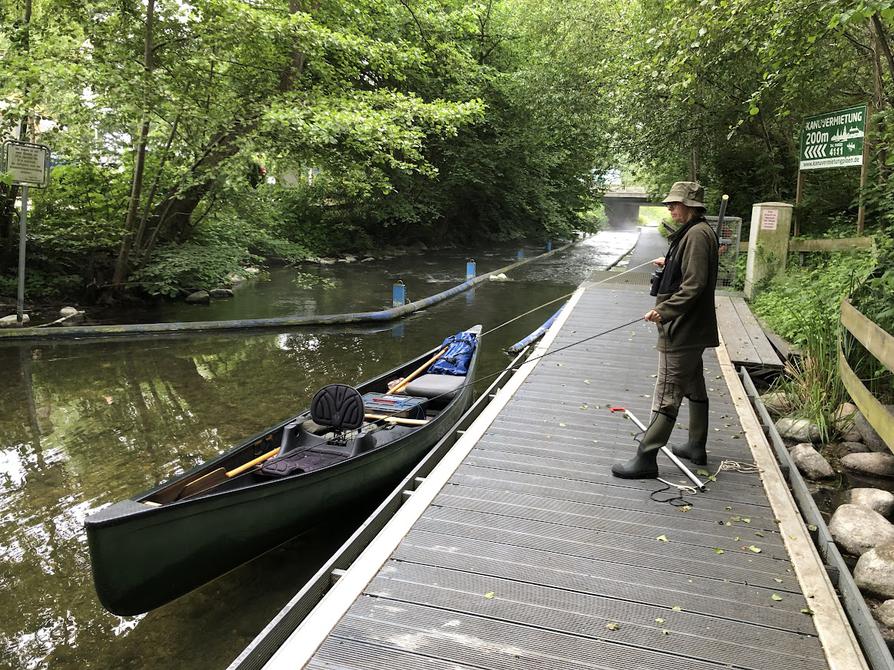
(881, 345)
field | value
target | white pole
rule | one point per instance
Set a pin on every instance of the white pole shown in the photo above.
(23, 229)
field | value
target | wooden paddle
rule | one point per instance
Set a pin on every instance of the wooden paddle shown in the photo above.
(396, 419)
(219, 476)
(400, 387)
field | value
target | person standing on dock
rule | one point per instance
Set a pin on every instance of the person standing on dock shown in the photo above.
(687, 324)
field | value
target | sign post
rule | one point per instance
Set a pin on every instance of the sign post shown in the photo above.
(831, 140)
(28, 165)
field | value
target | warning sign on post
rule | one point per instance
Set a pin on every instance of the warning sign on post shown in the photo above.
(27, 164)
(833, 139)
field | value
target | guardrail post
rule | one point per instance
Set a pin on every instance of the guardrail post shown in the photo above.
(771, 223)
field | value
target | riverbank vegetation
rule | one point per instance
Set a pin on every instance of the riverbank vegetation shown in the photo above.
(192, 139)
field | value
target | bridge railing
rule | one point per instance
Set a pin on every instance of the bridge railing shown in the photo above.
(879, 344)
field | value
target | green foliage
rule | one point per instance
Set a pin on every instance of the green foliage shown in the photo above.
(807, 299)
(434, 121)
(803, 306)
(217, 250)
(875, 296)
(811, 384)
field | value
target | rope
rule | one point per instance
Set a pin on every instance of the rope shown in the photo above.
(679, 501)
(561, 297)
(674, 500)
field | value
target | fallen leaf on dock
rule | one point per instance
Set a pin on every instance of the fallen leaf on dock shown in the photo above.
(489, 595)
(612, 626)
(662, 538)
(776, 597)
(754, 549)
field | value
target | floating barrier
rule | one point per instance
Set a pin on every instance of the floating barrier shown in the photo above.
(281, 322)
(534, 336)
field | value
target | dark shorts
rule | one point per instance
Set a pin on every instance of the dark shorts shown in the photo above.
(681, 375)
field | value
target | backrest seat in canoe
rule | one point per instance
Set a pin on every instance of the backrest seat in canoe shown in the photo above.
(338, 406)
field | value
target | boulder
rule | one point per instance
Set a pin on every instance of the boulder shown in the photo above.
(11, 321)
(234, 278)
(870, 464)
(348, 258)
(367, 259)
(326, 261)
(251, 272)
(800, 430)
(884, 613)
(68, 311)
(843, 422)
(811, 464)
(776, 402)
(875, 499)
(868, 436)
(221, 293)
(198, 298)
(874, 572)
(857, 529)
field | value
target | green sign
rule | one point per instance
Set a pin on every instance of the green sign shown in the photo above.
(833, 139)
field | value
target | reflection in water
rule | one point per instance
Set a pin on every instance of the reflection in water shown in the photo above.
(86, 424)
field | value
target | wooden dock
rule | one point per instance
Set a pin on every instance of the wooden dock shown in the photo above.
(746, 341)
(520, 550)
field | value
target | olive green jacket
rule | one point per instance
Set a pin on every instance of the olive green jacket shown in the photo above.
(685, 299)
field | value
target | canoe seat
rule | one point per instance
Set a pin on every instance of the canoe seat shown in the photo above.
(338, 406)
(443, 387)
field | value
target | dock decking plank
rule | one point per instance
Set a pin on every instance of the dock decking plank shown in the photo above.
(759, 340)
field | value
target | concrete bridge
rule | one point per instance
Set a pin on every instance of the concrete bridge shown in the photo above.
(622, 205)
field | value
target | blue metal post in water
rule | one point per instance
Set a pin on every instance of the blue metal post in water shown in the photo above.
(520, 255)
(549, 245)
(398, 294)
(471, 270)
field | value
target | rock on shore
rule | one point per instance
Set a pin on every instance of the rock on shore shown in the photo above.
(858, 529)
(870, 464)
(810, 462)
(875, 571)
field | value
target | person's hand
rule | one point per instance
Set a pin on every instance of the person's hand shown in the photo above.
(659, 261)
(653, 316)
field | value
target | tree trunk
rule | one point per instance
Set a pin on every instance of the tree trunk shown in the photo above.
(881, 39)
(123, 264)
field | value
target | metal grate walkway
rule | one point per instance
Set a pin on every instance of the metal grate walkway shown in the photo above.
(534, 556)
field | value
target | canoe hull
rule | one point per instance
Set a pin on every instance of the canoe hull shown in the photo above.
(144, 557)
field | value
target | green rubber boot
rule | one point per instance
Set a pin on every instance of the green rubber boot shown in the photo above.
(644, 465)
(694, 449)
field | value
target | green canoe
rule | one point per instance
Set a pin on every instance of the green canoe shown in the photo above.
(161, 544)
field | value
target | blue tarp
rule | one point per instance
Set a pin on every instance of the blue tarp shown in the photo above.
(460, 348)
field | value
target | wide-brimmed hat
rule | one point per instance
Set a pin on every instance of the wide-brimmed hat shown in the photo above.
(690, 193)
